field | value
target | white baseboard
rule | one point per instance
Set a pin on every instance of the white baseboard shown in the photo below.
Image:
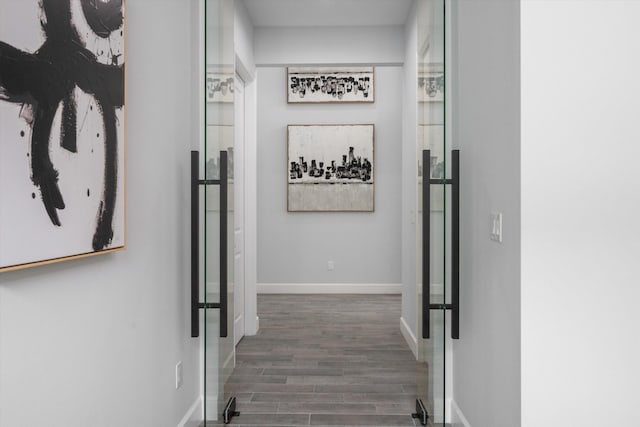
(459, 419)
(193, 416)
(411, 339)
(329, 288)
(212, 407)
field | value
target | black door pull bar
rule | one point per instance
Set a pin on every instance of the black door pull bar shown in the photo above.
(196, 305)
(455, 243)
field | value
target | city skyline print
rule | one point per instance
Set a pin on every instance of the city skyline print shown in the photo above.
(330, 168)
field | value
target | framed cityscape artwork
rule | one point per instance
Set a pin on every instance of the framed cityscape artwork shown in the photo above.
(219, 137)
(431, 137)
(330, 168)
(62, 148)
(307, 85)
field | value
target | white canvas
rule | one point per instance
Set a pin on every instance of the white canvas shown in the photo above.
(29, 233)
(330, 168)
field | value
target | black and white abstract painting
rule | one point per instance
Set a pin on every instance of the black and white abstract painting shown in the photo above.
(431, 84)
(62, 94)
(330, 168)
(330, 84)
(219, 87)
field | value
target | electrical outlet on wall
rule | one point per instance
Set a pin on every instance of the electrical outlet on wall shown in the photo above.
(178, 375)
(330, 265)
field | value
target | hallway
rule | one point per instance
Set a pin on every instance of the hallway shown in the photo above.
(325, 360)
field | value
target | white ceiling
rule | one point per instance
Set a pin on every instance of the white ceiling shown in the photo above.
(301, 13)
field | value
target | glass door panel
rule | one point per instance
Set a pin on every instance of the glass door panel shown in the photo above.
(217, 158)
(431, 224)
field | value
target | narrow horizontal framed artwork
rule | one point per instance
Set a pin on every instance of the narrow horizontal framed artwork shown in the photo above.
(313, 85)
(62, 131)
(219, 86)
(330, 168)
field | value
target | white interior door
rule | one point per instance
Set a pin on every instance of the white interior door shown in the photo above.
(238, 178)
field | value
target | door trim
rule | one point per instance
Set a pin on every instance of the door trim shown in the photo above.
(250, 198)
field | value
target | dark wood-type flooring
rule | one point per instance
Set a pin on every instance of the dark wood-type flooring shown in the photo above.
(325, 360)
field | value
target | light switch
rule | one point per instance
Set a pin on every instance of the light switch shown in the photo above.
(496, 226)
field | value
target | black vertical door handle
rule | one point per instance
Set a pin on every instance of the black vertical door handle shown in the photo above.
(455, 244)
(196, 305)
(223, 244)
(426, 240)
(195, 246)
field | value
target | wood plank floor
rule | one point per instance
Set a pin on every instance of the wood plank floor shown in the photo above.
(325, 360)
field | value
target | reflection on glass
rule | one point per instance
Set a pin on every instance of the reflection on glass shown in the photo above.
(218, 98)
(431, 136)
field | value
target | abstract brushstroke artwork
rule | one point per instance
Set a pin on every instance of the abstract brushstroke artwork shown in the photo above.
(219, 87)
(330, 168)
(330, 84)
(431, 83)
(61, 129)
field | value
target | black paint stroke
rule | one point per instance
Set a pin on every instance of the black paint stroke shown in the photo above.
(46, 78)
(103, 17)
(68, 139)
(104, 230)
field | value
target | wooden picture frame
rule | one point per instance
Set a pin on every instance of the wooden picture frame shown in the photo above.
(62, 191)
(331, 168)
(330, 85)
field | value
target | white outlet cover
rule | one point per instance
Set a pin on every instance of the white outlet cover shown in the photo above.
(496, 227)
(178, 375)
(330, 265)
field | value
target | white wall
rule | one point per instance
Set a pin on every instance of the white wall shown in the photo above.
(328, 45)
(580, 209)
(94, 342)
(486, 128)
(243, 40)
(295, 247)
